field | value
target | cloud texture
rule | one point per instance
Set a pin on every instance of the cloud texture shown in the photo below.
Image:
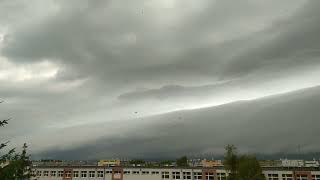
(68, 67)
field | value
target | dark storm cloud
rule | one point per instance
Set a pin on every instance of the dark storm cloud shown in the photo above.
(293, 42)
(130, 47)
(270, 121)
(123, 61)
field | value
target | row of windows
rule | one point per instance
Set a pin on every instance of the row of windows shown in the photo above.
(69, 174)
(287, 177)
(46, 173)
(142, 172)
(93, 173)
(133, 172)
(290, 177)
(276, 177)
(196, 175)
(315, 177)
(165, 175)
(305, 177)
(302, 177)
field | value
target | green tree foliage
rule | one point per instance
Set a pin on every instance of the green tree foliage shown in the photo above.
(245, 167)
(249, 168)
(182, 161)
(231, 161)
(14, 166)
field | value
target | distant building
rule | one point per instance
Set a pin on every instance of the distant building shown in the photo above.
(312, 163)
(109, 163)
(292, 163)
(211, 163)
(270, 163)
(194, 162)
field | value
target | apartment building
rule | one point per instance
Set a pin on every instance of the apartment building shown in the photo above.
(123, 173)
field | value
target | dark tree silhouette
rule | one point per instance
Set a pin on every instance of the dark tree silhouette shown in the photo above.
(231, 161)
(13, 166)
(182, 162)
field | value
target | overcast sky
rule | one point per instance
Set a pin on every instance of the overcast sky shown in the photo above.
(110, 74)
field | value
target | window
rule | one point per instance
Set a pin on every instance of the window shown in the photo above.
(145, 172)
(197, 175)
(39, 173)
(175, 175)
(221, 176)
(46, 173)
(68, 174)
(135, 172)
(155, 172)
(273, 176)
(53, 173)
(100, 174)
(287, 177)
(92, 174)
(165, 175)
(75, 173)
(60, 173)
(302, 177)
(126, 172)
(315, 177)
(34, 172)
(209, 176)
(83, 173)
(186, 175)
(108, 172)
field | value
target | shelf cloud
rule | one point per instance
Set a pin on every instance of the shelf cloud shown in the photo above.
(66, 68)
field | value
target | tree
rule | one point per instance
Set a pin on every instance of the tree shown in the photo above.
(14, 166)
(182, 161)
(231, 161)
(245, 167)
(249, 168)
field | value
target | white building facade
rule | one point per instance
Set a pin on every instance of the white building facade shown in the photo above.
(123, 173)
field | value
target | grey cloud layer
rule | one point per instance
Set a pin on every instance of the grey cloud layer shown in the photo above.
(99, 43)
(116, 58)
(275, 124)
